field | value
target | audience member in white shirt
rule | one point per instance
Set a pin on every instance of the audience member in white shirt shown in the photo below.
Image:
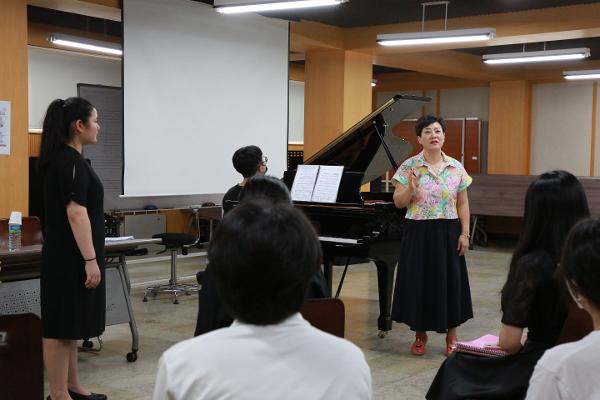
(263, 256)
(570, 371)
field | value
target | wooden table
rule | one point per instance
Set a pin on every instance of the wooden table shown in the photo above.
(19, 291)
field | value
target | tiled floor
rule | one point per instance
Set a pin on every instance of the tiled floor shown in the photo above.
(396, 374)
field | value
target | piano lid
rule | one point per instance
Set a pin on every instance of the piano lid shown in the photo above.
(359, 149)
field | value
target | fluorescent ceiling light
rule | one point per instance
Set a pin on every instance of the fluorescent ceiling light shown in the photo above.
(588, 74)
(245, 6)
(75, 42)
(537, 56)
(436, 37)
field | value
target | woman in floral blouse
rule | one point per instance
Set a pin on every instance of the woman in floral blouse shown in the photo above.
(432, 287)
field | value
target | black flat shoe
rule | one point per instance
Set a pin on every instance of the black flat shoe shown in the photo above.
(92, 396)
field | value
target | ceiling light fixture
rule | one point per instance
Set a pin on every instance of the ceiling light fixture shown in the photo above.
(373, 82)
(246, 6)
(436, 37)
(537, 56)
(76, 42)
(586, 74)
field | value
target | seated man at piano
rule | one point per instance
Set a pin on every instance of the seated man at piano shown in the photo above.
(211, 313)
(248, 161)
(264, 256)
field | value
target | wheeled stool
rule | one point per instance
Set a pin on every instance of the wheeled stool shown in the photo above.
(174, 242)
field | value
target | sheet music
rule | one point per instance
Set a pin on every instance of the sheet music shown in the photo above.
(328, 183)
(304, 182)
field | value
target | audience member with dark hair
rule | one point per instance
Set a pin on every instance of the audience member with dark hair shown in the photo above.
(531, 299)
(248, 161)
(266, 188)
(264, 256)
(211, 314)
(570, 371)
(72, 288)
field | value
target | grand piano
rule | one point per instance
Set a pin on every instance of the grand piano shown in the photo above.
(366, 225)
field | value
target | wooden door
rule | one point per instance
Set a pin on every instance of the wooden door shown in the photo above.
(472, 148)
(454, 139)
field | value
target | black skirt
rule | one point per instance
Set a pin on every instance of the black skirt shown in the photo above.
(432, 290)
(466, 376)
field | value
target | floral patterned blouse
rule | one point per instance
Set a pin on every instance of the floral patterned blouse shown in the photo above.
(436, 193)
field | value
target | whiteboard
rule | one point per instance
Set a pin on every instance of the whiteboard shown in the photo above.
(197, 86)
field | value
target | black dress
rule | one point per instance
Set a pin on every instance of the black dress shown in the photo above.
(531, 299)
(432, 291)
(69, 310)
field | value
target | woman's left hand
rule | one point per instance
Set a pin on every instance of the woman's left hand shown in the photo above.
(463, 245)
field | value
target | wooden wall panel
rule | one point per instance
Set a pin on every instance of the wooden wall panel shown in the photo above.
(296, 72)
(323, 99)
(14, 168)
(337, 94)
(35, 143)
(509, 135)
(358, 74)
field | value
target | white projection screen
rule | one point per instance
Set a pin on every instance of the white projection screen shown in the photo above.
(197, 86)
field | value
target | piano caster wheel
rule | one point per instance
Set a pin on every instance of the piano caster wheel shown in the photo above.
(187, 293)
(382, 334)
(87, 344)
(145, 299)
(132, 356)
(175, 301)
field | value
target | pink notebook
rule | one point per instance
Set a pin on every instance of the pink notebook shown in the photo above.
(486, 346)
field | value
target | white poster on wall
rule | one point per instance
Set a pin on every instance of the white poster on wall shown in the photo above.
(5, 128)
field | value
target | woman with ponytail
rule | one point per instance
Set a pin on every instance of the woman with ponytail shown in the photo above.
(72, 278)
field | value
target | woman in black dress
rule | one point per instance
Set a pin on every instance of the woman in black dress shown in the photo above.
(555, 201)
(72, 278)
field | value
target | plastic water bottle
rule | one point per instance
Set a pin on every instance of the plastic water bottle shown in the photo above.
(14, 237)
(14, 231)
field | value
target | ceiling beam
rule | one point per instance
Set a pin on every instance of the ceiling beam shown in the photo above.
(553, 72)
(420, 81)
(548, 24)
(448, 63)
(105, 9)
(306, 35)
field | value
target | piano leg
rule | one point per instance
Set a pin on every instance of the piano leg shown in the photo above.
(386, 266)
(328, 271)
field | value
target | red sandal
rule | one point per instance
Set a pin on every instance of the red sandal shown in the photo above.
(450, 344)
(418, 347)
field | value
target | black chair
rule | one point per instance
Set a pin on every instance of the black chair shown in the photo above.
(174, 242)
